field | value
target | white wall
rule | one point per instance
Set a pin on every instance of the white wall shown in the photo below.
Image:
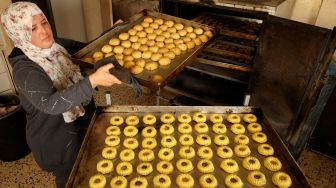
(68, 17)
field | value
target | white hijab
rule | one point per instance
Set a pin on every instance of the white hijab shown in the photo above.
(55, 61)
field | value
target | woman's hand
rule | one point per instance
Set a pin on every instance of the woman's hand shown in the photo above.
(103, 77)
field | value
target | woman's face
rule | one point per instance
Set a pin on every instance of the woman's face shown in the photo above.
(42, 35)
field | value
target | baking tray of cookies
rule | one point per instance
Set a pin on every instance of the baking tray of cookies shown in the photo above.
(88, 167)
(163, 51)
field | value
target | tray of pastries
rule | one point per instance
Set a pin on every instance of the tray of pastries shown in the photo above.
(163, 146)
(153, 46)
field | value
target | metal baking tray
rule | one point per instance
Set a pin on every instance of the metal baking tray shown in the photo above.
(167, 72)
(90, 153)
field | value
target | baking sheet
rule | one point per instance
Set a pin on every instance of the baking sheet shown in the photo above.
(167, 72)
(90, 152)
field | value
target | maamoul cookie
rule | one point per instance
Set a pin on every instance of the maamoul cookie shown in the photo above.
(124, 169)
(149, 143)
(105, 166)
(128, 51)
(250, 118)
(216, 118)
(149, 119)
(184, 118)
(272, 163)
(163, 27)
(136, 45)
(131, 143)
(169, 23)
(144, 169)
(87, 59)
(233, 181)
(186, 140)
(265, 149)
(136, 54)
(132, 120)
(132, 32)
(242, 150)
(187, 152)
(149, 30)
(98, 55)
(159, 21)
(129, 58)
(164, 167)
(172, 30)
(199, 117)
(154, 25)
(119, 181)
(157, 78)
(106, 48)
(184, 165)
(138, 27)
(153, 49)
(109, 152)
(166, 154)
(136, 69)
(205, 166)
(148, 132)
(108, 54)
(113, 130)
(168, 141)
(127, 155)
(164, 61)
(167, 118)
(118, 49)
(166, 129)
(201, 128)
(204, 152)
(203, 38)
(123, 36)
(219, 128)
(114, 42)
(185, 181)
(241, 139)
(208, 34)
(197, 41)
(151, 65)
(178, 26)
(190, 44)
(170, 54)
(156, 56)
(146, 55)
(221, 140)
(128, 64)
(146, 155)
(238, 128)
(208, 181)
(233, 118)
(162, 181)
(281, 179)
(198, 31)
(184, 128)
(191, 35)
(130, 131)
(203, 140)
(139, 182)
(259, 137)
(256, 178)
(229, 166)
(126, 44)
(97, 181)
(254, 127)
(224, 152)
(251, 163)
(148, 19)
(112, 140)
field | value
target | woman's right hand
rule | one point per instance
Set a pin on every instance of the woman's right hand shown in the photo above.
(103, 77)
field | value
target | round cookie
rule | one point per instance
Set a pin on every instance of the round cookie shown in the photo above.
(139, 182)
(97, 181)
(164, 167)
(203, 140)
(208, 181)
(149, 119)
(114, 42)
(152, 65)
(186, 140)
(123, 36)
(136, 69)
(130, 131)
(219, 128)
(254, 127)
(229, 166)
(127, 155)
(148, 132)
(168, 141)
(265, 149)
(164, 61)
(132, 32)
(256, 178)
(201, 128)
(241, 139)
(169, 23)
(185, 181)
(204, 152)
(233, 181)
(242, 150)
(250, 118)
(105, 166)
(281, 179)
(205, 166)
(272, 163)
(199, 117)
(131, 143)
(221, 140)
(116, 120)
(216, 118)
(184, 118)
(124, 169)
(251, 163)
(166, 154)
(112, 140)
(198, 31)
(109, 152)
(146, 155)
(233, 118)
(238, 128)
(184, 165)
(106, 49)
(224, 152)
(149, 143)
(132, 120)
(167, 118)
(184, 128)
(187, 152)
(166, 129)
(162, 181)
(144, 169)
(98, 55)
(119, 181)
(118, 49)
(259, 137)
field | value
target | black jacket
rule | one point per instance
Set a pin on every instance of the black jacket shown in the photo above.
(52, 141)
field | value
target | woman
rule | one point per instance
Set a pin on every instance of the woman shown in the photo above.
(51, 89)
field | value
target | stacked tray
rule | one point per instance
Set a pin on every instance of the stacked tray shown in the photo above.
(153, 46)
(91, 152)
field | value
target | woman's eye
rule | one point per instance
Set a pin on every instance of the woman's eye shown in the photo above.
(34, 28)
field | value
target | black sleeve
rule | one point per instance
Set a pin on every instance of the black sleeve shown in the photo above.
(38, 88)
